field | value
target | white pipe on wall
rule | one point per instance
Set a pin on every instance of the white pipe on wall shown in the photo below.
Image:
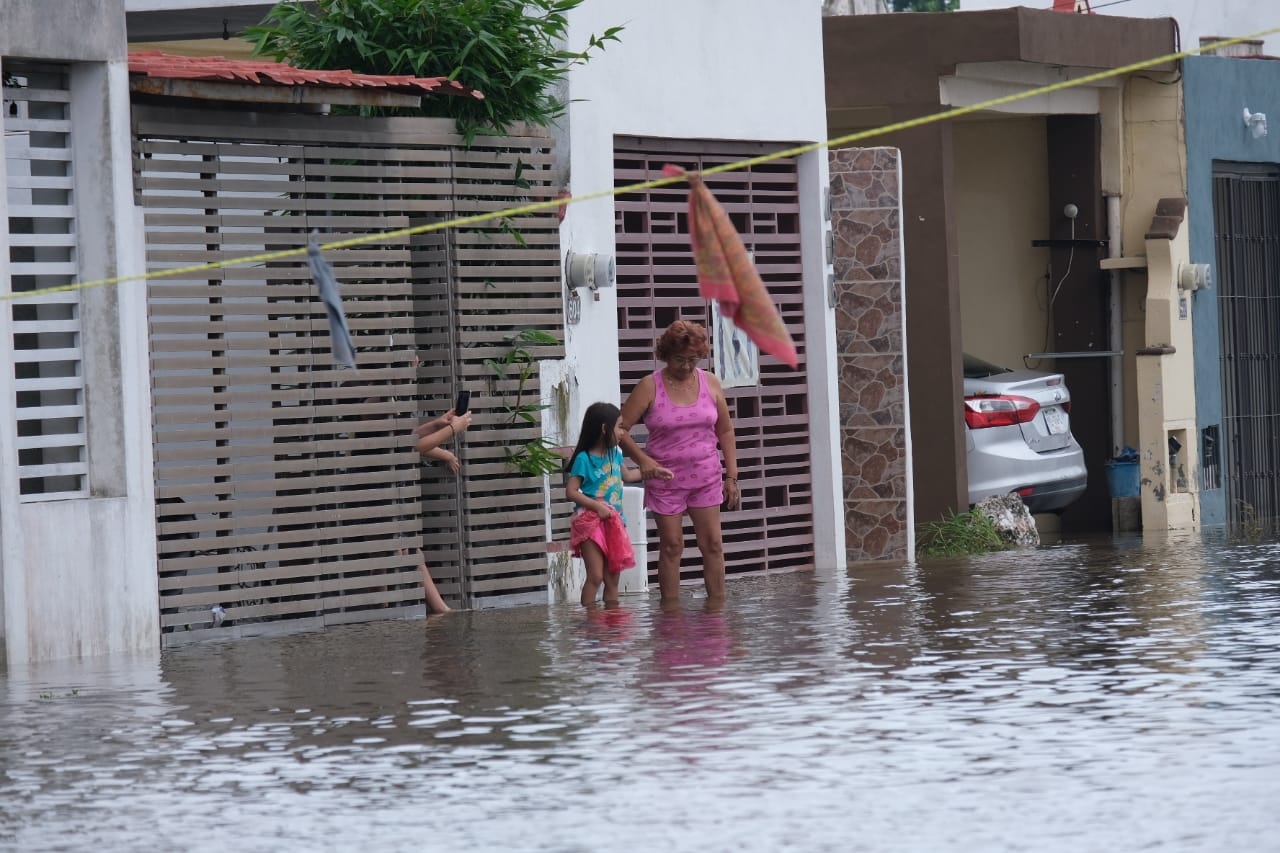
(1115, 328)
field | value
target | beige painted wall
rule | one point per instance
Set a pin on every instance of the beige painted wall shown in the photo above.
(1001, 197)
(1153, 166)
(1161, 400)
(1155, 157)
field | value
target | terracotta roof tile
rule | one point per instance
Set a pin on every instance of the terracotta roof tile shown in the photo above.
(266, 73)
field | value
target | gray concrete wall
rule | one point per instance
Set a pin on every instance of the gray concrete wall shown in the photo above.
(76, 30)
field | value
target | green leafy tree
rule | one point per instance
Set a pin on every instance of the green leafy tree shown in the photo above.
(511, 50)
(926, 5)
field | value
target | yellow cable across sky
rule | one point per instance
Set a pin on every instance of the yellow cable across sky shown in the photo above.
(549, 204)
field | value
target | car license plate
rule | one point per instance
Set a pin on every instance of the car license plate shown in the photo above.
(1056, 420)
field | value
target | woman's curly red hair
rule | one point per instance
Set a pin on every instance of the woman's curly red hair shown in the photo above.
(683, 336)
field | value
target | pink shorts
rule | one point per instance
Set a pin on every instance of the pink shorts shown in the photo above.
(664, 499)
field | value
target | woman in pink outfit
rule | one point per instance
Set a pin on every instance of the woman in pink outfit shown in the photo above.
(689, 426)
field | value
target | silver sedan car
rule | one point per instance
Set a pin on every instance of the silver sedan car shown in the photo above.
(1018, 436)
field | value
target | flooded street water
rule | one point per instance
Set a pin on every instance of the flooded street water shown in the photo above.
(1117, 695)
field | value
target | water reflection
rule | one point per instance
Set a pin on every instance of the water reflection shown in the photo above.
(1116, 694)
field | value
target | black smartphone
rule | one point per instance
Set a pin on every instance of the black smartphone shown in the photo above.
(463, 403)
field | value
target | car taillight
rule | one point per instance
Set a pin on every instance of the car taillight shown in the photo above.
(1007, 410)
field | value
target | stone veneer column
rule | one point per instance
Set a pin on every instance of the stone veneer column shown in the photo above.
(866, 222)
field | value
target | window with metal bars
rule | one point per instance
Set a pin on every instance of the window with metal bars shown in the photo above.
(42, 231)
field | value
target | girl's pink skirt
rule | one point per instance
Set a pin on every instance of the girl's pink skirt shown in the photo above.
(609, 535)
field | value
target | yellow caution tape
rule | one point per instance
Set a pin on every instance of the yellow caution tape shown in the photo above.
(540, 206)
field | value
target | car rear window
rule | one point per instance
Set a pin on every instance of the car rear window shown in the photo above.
(976, 368)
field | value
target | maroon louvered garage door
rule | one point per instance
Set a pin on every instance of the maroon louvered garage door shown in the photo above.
(657, 284)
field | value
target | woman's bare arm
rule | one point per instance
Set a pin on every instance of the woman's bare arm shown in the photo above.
(430, 440)
(633, 412)
(439, 423)
(727, 440)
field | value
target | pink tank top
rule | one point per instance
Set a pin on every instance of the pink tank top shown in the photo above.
(683, 438)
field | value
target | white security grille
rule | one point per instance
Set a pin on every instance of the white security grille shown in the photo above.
(47, 343)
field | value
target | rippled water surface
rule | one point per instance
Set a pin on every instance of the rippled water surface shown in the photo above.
(1121, 695)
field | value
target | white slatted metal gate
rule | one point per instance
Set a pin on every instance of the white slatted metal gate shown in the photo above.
(47, 340)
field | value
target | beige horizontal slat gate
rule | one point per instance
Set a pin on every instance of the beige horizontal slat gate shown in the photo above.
(288, 491)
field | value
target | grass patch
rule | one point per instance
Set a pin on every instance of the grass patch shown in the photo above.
(960, 535)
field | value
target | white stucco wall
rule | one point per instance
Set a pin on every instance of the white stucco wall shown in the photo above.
(714, 69)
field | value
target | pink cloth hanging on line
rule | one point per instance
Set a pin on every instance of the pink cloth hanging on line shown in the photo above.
(727, 274)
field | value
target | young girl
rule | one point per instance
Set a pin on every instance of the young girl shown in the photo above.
(599, 533)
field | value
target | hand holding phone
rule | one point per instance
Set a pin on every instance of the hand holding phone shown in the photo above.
(463, 403)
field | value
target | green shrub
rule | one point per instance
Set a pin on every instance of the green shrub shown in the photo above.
(511, 50)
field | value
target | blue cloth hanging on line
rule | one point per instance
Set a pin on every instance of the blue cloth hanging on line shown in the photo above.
(344, 351)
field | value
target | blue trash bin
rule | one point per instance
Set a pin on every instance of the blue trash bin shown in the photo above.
(1122, 478)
